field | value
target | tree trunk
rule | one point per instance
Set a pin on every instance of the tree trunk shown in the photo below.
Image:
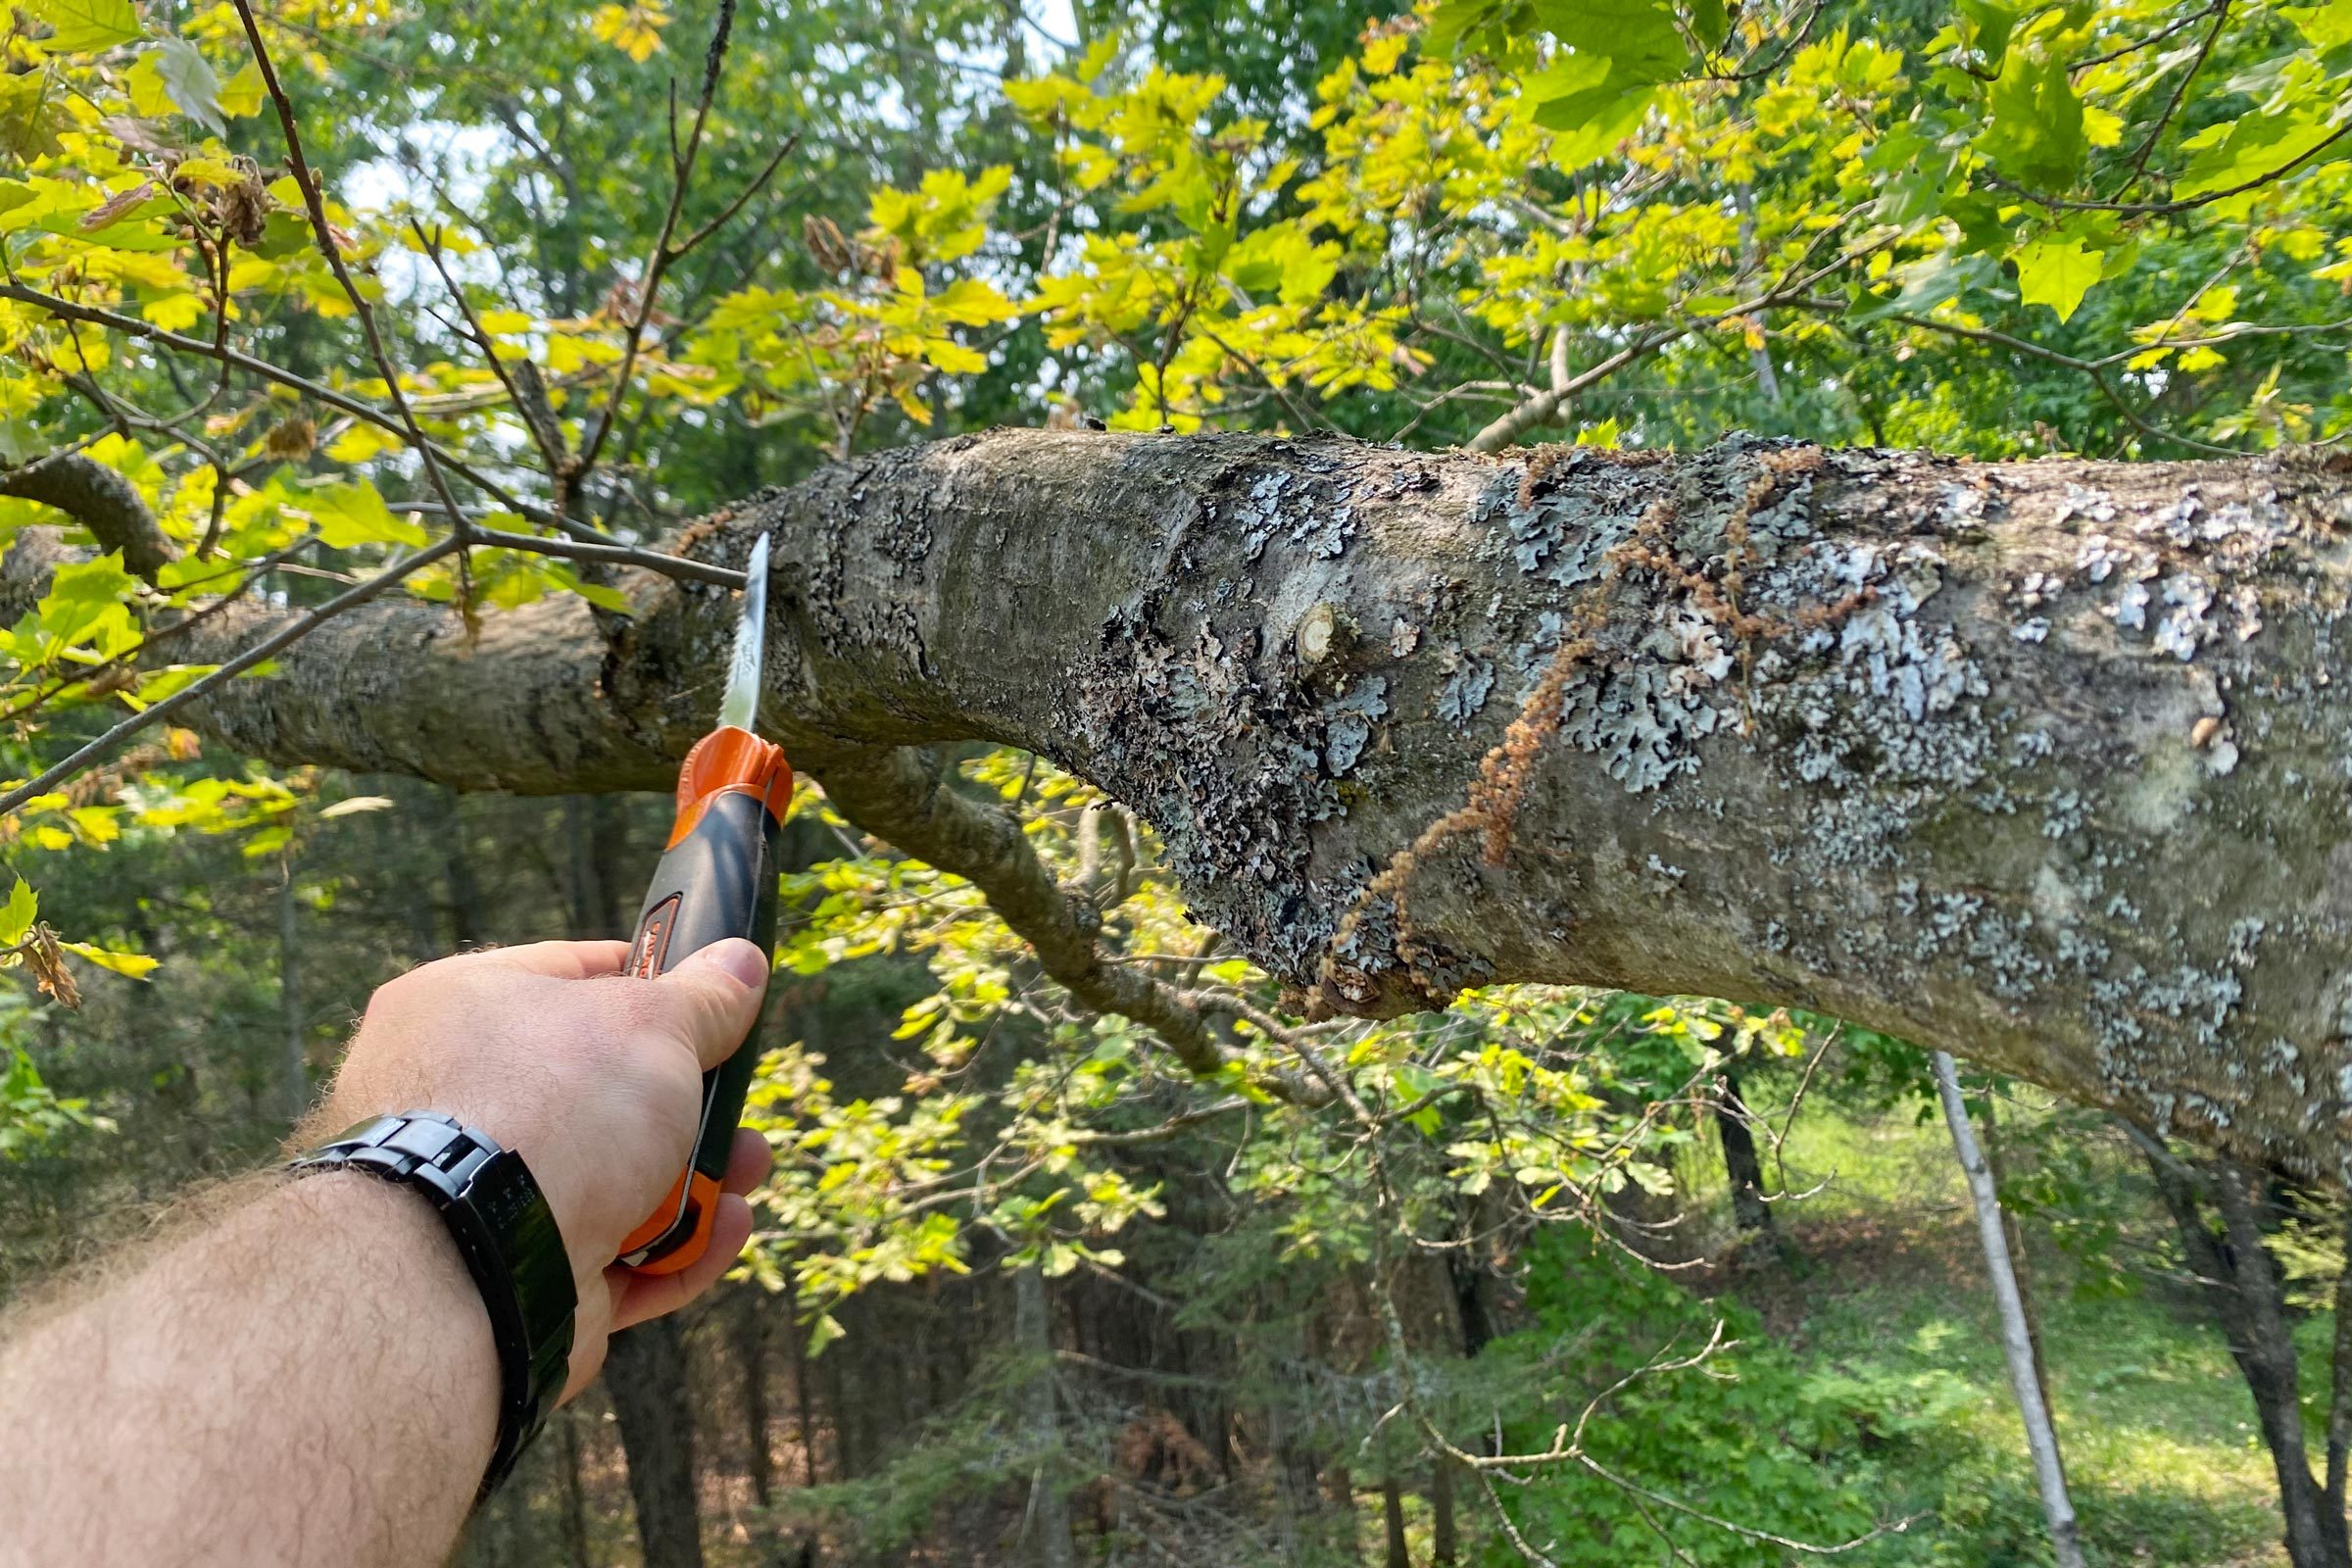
(849, 1456)
(296, 1063)
(2019, 1262)
(804, 1408)
(645, 1372)
(751, 1307)
(1444, 1547)
(1048, 1521)
(587, 902)
(2339, 1388)
(1971, 815)
(574, 1501)
(400, 834)
(1392, 1520)
(1341, 1533)
(2314, 1537)
(2041, 1437)
(1470, 1269)
(2243, 1287)
(468, 915)
(1749, 1211)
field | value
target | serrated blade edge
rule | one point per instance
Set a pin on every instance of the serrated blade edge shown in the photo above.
(740, 706)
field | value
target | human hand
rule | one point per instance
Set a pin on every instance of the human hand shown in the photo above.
(594, 1077)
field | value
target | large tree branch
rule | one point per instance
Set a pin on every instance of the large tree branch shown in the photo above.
(900, 793)
(101, 500)
(2041, 763)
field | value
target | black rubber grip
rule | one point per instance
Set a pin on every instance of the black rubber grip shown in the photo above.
(720, 881)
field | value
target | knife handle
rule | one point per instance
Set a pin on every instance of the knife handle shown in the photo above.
(716, 879)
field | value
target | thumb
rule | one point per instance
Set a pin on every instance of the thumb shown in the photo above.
(718, 989)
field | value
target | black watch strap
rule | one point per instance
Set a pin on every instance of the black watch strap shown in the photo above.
(509, 1238)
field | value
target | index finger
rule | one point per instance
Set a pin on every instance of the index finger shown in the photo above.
(561, 960)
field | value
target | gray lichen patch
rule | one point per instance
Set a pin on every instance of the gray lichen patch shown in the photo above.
(1642, 722)
(1468, 682)
(1242, 709)
(1349, 722)
(2177, 562)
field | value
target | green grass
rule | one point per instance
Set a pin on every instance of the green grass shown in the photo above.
(1889, 1287)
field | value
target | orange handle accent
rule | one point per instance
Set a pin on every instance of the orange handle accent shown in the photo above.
(730, 761)
(699, 1191)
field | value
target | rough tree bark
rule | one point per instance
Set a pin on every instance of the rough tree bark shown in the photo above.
(1955, 750)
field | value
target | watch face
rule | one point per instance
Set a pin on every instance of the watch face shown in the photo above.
(501, 1194)
(506, 1197)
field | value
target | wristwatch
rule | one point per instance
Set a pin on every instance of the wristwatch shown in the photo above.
(508, 1235)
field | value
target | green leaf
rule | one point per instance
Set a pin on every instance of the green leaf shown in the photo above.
(2056, 273)
(2326, 27)
(2251, 148)
(269, 841)
(189, 83)
(87, 24)
(1986, 30)
(1596, 89)
(86, 600)
(30, 116)
(354, 513)
(1639, 38)
(1601, 126)
(156, 684)
(24, 906)
(19, 440)
(603, 597)
(2036, 131)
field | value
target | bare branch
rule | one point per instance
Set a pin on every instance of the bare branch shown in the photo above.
(898, 793)
(293, 631)
(649, 287)
(324, 233)
(101, 500)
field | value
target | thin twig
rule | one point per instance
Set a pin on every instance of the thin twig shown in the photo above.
(250, 574)
(682, 162)
(314, 201)
(2060, 204)
(2147, 146)
(616, 555)
(285, 636)
(181, 343)
(2026, 346)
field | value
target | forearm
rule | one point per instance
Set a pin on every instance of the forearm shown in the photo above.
(308, 1378)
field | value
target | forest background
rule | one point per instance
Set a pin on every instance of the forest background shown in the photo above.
(1565, 1276)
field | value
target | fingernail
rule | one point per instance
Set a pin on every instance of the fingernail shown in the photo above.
(741, 961)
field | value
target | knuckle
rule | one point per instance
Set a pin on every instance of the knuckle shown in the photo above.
(396, 995)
